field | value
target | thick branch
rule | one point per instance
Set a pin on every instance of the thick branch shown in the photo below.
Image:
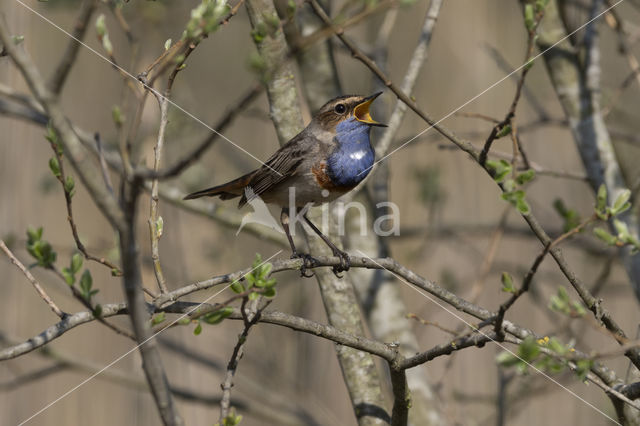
(132, 282)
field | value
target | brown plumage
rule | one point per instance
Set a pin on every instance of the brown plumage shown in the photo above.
(301, 165)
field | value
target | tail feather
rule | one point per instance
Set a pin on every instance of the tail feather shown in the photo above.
(225, 191)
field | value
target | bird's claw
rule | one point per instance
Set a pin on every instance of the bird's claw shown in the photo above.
(345, 263)
(308, 262)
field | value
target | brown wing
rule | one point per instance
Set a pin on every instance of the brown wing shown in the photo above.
(280, 166)
(225, 191)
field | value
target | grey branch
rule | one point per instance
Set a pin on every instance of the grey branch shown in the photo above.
(43, 294)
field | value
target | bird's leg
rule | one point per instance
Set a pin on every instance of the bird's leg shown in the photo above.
(345, 262)
(308, 261)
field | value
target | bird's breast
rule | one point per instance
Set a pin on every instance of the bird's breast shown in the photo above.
(348, 165)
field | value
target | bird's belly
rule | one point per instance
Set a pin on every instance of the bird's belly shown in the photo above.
(301, 190)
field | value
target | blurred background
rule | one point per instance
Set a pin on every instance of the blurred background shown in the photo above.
(451, 218)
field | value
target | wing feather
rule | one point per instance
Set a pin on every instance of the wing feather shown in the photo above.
(281, 165)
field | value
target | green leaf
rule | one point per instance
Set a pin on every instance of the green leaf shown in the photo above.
(51, 135)
(525, 176)
(570, 216)
(583, 367)
(54, 165)
(34, 235)
(167, 44)
(41, 250)
(529, 64)
(205, 18)
(106, 44)
(529, 17)
(259, 33)
(17, 39)
(509, 185)
(291, 8)
(500, 169)
(623, 230)
(232, 419)
(216, 317)
(198, 329)
(506, 359)
(86, 282)
(517, 198)
(605, 236)
(116, 114)
(523, 206)
(257, 261)
(76, 262)
(601, 200)
(97, 311)
(250, 279)
(507, 283)
(237, 287)
(69, 186)
(101, 27)
(578, 309)
(528, 349)
(557, 346)
(253, 296)
(269, 292)
(68, 276)
(158, 318)
(541, 4)
(560, 302)
(621, 203)
(159, 226)
(504, 131)
(265, 270)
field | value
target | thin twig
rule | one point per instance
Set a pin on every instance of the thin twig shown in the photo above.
(155, 220)
(182, 47)
(103, 163)
(526, 282)
(96, 309)
(68, 195)
(250, 319)
(33, 281)
(56, 83)
(197, 152)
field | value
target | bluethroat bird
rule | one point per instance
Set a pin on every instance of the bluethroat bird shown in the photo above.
(324, 161)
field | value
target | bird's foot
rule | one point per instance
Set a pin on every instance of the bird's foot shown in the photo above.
(308, 262)
(345, 263)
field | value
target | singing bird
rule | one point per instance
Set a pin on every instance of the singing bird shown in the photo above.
(323, 162)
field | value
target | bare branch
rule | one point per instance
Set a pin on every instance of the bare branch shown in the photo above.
(70, 54)
(250, 319)
(155, 220)
(33, 281)
(68, 195)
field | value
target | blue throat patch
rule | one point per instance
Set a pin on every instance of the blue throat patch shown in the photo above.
(352, 159)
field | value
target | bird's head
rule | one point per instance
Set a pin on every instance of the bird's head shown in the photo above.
(351, 108)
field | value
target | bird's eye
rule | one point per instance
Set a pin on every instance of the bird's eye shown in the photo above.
(340, 109)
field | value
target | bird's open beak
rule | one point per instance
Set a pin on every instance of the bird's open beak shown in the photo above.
(362, 114)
